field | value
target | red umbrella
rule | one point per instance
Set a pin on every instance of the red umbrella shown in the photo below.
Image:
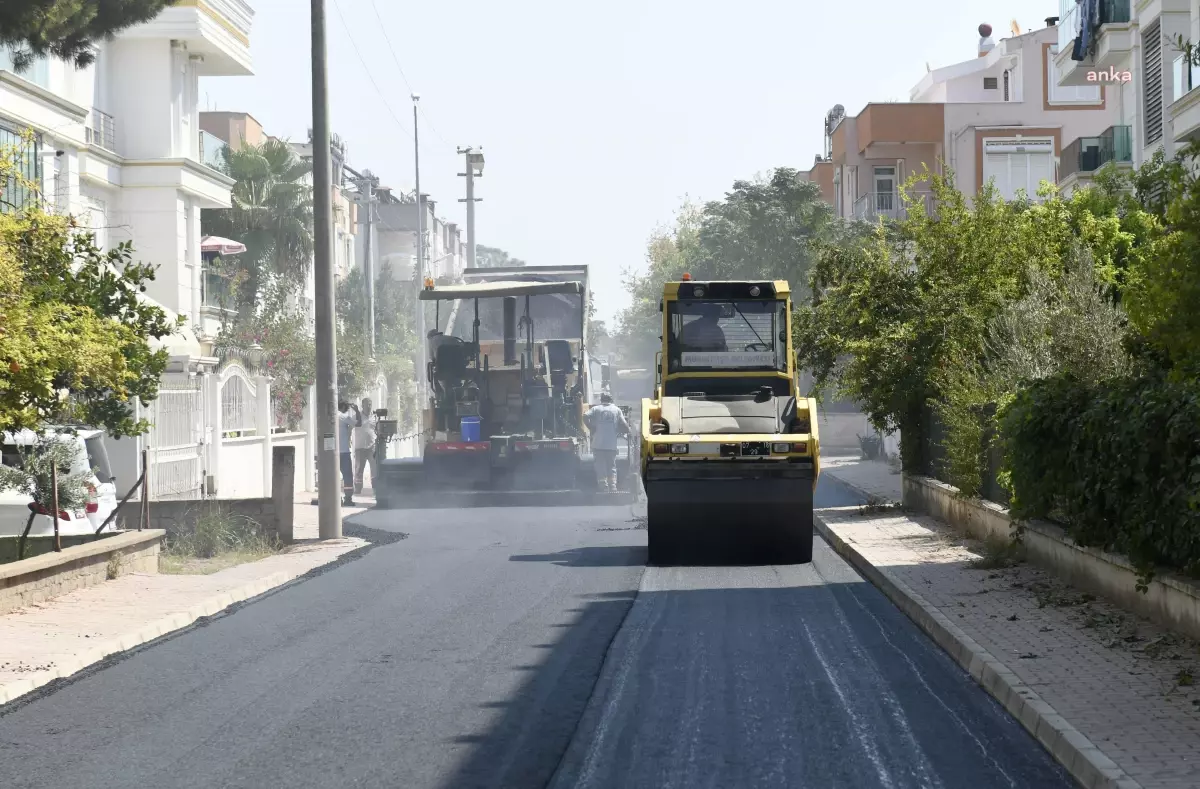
(222, 246)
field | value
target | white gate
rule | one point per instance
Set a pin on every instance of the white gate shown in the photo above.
(175, 443)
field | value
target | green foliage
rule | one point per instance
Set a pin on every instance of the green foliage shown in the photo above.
(33, 477)
(769, 228)
(68, 29)
(1117, 461)
(1164, 287)
(272, 214)
(395, 338)
(75, 330)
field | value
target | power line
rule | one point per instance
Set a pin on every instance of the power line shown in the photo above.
(367, 69)
(403, 76)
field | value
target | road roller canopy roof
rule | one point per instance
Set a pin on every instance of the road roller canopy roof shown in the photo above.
(724, 290)
(491, 290)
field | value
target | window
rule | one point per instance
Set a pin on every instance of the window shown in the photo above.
(1006, 86)
(21, 190)
(1016, 164)
(707, 335)
(1057, 94)
(38, 71)
(989, 83)
(1152, 114)
(885, 188)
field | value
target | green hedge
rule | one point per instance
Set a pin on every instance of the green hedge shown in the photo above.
(1117, 463)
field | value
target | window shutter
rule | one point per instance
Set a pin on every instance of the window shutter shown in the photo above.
(1152, 115)
(995, 166)
(1018, 164)
(1041, 168)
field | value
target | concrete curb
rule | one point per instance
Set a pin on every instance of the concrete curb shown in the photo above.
(1086, 763)
(77, 662)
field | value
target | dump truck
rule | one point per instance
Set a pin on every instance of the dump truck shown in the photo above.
(509, 384)
(730, 452)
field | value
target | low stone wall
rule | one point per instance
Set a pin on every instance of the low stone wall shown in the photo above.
(1170, 600)
(36, 546)
(50, 575)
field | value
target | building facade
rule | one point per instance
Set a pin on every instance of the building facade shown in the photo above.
(118, 143)
(396, 234)
(1000, 117)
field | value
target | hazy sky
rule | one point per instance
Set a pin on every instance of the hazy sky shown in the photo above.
(596, 122)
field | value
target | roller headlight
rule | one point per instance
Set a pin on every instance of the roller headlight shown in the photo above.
(679, 449)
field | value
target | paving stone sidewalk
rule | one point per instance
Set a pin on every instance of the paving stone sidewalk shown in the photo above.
(57, 638)
(1123, 682)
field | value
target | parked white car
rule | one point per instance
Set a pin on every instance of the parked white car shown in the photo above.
(91, 458)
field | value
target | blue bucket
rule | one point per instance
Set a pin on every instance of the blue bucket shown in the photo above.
(470, 428)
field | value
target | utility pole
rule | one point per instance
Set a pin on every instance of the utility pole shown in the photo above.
(328, 490)
(474, 161)
(423, 341)
(367, 184)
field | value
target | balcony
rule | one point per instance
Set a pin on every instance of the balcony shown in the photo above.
(888, 205)
(101, 131)
(1087, 155)
(212, 153)
(1185, 107)
(1114, 41)
(218, 30)
(884, 128)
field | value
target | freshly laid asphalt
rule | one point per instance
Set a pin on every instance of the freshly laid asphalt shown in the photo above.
(525, 648)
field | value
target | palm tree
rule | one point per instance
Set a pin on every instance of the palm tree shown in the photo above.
(272, 215)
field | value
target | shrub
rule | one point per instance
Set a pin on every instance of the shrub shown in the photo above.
(1117, 462)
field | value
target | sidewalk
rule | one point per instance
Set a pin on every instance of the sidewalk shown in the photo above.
(60, 637)
(1112, 696)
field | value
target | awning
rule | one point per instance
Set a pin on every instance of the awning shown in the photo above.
(222, 246)
(491, 290)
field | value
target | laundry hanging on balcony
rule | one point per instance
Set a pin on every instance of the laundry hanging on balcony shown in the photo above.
(1089, 21)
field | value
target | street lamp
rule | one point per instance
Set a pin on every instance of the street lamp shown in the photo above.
(475, 160)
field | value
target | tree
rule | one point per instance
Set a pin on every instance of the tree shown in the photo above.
(491, 257)
(75, 330)
(395, 338)
(272, 214)
(769, 228)
(68, 29)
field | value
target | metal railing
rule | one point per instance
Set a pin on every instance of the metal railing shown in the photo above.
(1089, 154)
(1185, 75)
(101, 130)
(212, 152)
(1111, 12)
(889, 205)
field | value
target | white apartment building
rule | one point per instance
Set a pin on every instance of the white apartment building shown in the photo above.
(1127, 47)
(118, 142)
(396, 234)
(1001, 116)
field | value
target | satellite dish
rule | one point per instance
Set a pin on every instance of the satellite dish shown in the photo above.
(1016, 29)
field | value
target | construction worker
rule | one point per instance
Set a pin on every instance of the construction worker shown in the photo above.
(364, 446)
(347, 421)
(606, 424)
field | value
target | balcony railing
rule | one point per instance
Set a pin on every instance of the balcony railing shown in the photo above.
(1111, 12)
(1185, 76)
(212, 152)
(1089, 154)
(101, 131)
(888, 205)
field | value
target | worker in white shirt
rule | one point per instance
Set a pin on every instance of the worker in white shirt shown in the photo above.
(606, 424)
(347, 421)
(364, 446)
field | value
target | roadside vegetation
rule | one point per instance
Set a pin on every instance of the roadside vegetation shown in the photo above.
(217, 541)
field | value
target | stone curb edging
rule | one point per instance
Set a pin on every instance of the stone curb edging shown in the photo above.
(1086, 763)
(10, 691)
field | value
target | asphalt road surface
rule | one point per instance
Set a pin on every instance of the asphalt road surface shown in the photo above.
(531, 647)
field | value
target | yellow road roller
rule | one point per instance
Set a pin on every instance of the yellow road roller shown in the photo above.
(730, 451)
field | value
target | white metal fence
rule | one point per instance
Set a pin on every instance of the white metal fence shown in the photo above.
(239, 401)
(175, 443)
